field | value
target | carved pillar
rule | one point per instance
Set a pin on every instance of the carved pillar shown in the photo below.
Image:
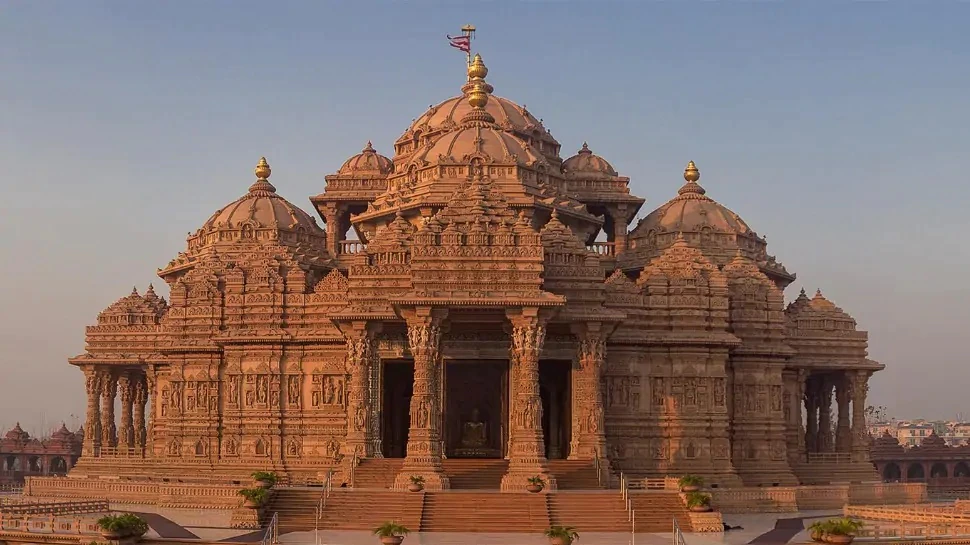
(109, 389)
(800, 396)
(824, 439)
(126, 431)
(376, 387)
(424, 437)
(360, 355)
(527, 451)
(151, 384)
(92, 423)
(331, 219)
(140, 399)
(588, 427)
(792, 404)
(860, 434)
(811, 409)
(843, 437)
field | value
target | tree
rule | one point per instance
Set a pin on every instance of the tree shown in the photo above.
(875, 413)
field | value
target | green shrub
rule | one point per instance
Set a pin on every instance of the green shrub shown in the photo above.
(690, 480)
(839, 527)
(565, 533)
(417, 479)
(537, 481)
(265, 476)
(698, 499)
(255, 495)
(391, 529)
(126, 524)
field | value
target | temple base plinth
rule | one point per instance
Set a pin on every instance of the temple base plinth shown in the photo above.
(430, 470)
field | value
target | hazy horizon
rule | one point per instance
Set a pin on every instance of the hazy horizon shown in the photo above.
(835, 132)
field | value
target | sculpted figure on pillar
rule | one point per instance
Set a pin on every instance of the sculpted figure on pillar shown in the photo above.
(109, 389)
(360, 349)
(92, 424)
(527, 457)
(140, 399)
(424, 450)
(588, 435)
(126, 431)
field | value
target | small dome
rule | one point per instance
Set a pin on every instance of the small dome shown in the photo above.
(261, 214)
(367, 162)
(481, 139)
(17, 434)
(692, 210)
(63, 434)
(135, 309)
(587, 165)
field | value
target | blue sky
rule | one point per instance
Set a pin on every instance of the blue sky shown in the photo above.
(837, 129)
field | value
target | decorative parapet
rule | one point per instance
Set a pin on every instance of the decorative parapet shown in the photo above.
(787, 499)
(710, 521)
(245, 518)
(162, 494)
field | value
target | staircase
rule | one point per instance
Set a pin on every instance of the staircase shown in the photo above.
(593, 512)
(347, 509)
(377, 472)
(655, 509)
(575, 474)
(484, 512)
(475, 474)
(297, 508)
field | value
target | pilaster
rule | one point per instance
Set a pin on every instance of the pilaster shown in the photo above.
(588, 427)
(424, 436)
(360, 354)
(527, 457)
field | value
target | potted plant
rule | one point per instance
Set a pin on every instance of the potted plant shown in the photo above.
(698, 502)
(536, 484)
(561, 535)
(391, 533)
(255, 497)
(417, 483)
(690, 483)
(121, 526)
(840, 531)
(265, 479)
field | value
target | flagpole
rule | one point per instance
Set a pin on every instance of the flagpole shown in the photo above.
(468, 30)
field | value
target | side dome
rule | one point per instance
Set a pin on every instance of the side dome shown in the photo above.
(368, 163)
(587, 165)
(259, 215)
(17, 434)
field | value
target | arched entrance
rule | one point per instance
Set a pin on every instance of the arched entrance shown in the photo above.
(58, 465)
(961, 470)
(915, 472)
(938, 471)
(891, 472)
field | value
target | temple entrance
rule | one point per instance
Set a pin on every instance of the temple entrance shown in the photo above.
(556, 415)
(396, 416)
(476, 409)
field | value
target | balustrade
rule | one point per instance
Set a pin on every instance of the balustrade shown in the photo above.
(603, 248)
(350, 247)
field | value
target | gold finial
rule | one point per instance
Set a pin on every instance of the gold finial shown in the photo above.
(691, 174)
(477, 68)
(262, 170)
(478, 97)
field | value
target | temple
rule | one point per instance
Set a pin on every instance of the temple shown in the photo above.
(24, 456)
(477, 296)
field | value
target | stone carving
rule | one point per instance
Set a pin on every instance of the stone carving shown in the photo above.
(271, 343)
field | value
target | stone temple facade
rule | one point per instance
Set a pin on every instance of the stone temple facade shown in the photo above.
(494, 303)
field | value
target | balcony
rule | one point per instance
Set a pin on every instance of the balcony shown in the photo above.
(350, 247)
(603, 248)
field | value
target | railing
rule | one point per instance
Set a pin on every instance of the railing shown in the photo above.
(678, 535)
(602, 248)
(350, 247)
(599, 470)
(830, 457)
(913, 513)
(353, 471)
(322, 504)
(272, 534)
(27, 507)
(631, 514)
(11, 488)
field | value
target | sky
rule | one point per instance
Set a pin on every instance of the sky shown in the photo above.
(836, 129)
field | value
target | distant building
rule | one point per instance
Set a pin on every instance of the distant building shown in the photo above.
(22, 455)
(912, 434)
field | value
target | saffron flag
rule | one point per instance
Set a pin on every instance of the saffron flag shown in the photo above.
(461, 42)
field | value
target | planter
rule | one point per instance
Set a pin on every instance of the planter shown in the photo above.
(560, 541)
(836, 539)
(392, 540)
(111, 534)
(690, 488)
(415, 487)
(534, 488)
(816, 535)
(250, 504)
(700, 508)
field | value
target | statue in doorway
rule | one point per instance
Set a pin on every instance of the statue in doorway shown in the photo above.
(473, 433)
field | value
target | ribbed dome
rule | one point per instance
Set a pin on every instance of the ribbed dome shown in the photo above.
(450, 112)
(587, 165)
(259, 215)
(483, 139)
(367, 162)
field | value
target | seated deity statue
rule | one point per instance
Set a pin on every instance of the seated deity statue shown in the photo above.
(474, 432)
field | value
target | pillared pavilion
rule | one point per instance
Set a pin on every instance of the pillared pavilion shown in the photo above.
(477, 313)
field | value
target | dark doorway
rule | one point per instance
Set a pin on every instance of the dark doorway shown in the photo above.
(396, 414)
(556, 416)
(476, 408)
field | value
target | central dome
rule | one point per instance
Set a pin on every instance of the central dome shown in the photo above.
(448, 115)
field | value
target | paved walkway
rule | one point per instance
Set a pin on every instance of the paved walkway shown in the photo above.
(165, 527)
(784, 531)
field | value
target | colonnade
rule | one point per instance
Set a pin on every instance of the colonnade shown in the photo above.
(103, 435)
(846, 436)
